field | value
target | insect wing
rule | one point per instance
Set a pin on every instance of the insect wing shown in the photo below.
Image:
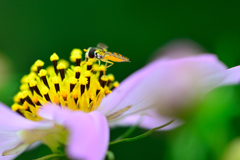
(102, 45)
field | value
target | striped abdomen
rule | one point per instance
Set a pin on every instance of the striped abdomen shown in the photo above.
(115, 57)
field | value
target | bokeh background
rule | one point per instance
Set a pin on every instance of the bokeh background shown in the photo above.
(31, 30)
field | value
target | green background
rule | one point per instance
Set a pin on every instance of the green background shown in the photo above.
(31, 30)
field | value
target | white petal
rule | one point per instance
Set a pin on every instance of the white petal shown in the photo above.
(150, 86)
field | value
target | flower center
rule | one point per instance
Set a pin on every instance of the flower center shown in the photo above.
(78, 87)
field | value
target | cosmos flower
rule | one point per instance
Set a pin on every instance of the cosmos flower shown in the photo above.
(76, 106)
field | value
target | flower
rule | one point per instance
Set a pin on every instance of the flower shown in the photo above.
(76, 107)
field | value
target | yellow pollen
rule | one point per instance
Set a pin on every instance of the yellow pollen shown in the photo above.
(33, 68)
(35, 99)
(15, 107)
(55, 80)
(24, 94)
(79, 87)
(87, 74)
(39, 63)
(73, 80)
(45, 90)
(83, 81)
(110, 77)
(61, 66)
(64, 95)
(77, 69)
(24, 106)
(32, 83)
(23, 87)
(115, 84)
(54, 57)
(64, 62)
(102, 68)
(95, 67)
(104, 78)
(56, 99)
(42, 73)
(75, 93)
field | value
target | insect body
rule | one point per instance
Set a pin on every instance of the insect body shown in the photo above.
(100, 53)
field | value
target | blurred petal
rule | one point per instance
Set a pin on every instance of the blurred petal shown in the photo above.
(149, 120)
(12, 121)
(178, 48)
(232, 77)
(163, 79)
(89, 132)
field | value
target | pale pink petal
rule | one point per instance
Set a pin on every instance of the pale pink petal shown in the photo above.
(12, 121)
(89, 132)
(161, 80)
(8, 140)
(149, 120)
(55, 113)
(232, 77)
(89, 136)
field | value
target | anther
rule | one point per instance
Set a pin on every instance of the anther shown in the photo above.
(43, 74)
(89, 65)
(55, 81)
(64, 95)
(75, 96)
(102, 70)
(20, 97)
(25, 106)
(33, 84)
(61, 67)
(54, 58)
(15, 107)
(34, 68)
(45, 93)
(36, 101)
(27, 98)
(95, 68)
(77, 72)
(88, 76)
(39, 65)
(83, 82)
(115, 85)
(103, 81)
(76, 56)
(72, 82)
(98, 88)
(110, 80)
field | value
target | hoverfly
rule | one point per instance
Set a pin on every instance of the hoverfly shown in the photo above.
(101, 54)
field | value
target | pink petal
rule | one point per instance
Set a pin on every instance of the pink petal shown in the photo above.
(89, 136)
(149, 120)
(164, 79)
(12, 121)
(8, 140)
(89, 132)
(232, 77)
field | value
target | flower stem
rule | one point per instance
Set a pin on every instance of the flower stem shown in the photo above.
(48, 157)
(127, 133)
(140, 136)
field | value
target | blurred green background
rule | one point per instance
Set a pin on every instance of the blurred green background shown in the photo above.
(31, 30)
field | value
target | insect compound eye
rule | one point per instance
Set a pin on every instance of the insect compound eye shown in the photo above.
(91, 53)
